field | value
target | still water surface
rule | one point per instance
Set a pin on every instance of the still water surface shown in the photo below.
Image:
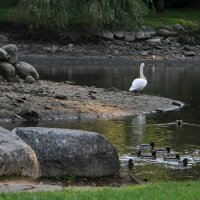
(169, 79)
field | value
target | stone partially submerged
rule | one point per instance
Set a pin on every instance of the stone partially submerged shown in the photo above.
(16, 157)
(71, 152)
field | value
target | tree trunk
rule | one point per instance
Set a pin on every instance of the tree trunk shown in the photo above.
(160, 6)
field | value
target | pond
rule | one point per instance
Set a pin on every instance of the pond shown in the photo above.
(173, 79)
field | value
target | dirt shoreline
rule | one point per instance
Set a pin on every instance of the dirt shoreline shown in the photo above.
(46, 100)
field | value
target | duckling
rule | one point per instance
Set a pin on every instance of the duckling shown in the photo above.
(151, 156)
(176, 158)
(179, 122)
(147, 146)
(163, 150)
(136, 154)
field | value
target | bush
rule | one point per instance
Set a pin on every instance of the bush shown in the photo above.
(92, 14)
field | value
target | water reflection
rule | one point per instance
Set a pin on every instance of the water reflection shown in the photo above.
(169, 79)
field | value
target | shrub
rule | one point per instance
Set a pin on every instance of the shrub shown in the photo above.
(92, 14)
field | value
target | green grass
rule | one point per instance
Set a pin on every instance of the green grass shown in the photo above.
(188, 18)
(157, 191)
(6, 12)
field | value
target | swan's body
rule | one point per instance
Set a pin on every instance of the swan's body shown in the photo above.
(139, 83)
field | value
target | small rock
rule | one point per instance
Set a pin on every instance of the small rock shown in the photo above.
(154, 40)
(29, 115)
(169, 28)
(129, 36)
(107, 34)
(3, 55)
(149, 34)
(60, 96)
(12, 52)
(144, 53)
(119, 34)
(139, 35)
(70, 45)
(178, 27)
(7, 70)
(189, 53)
(24, 69)
(30, 79)
(163, 33)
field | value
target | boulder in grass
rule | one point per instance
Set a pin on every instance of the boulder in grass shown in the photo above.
(16, 157)
(71, 152)
(24, 69)
(12, 52)
(7, 70)
(3, 55)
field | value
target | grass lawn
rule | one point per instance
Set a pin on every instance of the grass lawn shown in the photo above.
(187, 18)
(156, 191)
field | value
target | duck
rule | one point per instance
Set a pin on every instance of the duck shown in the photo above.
(163, 150)
(139, 84)
(147, 146)
(136, 154)
(183, 162)
(130, 163)
(173, 158)
(179, 122)
(151, 156)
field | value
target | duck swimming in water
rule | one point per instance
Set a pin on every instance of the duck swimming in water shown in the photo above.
(146, 146)
(183, 162)
(130, 163)
(173, 158)
(151, 156)
(163, 150)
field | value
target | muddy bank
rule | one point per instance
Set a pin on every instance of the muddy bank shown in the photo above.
(47, 100)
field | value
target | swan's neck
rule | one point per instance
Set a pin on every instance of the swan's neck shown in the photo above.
(141, 71)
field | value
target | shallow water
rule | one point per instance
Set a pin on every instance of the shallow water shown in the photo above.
(175, 80)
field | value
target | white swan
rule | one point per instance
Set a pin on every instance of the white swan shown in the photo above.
(139, 83)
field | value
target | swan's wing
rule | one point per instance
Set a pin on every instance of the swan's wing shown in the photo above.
(138, 84)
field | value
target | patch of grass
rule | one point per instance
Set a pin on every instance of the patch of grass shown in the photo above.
(187, 17)
(169, 190)
(6, 12)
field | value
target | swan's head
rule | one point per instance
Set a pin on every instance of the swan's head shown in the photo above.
(142, 65)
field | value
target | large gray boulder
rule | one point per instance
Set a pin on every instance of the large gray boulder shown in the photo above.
(3, 55)
(24, 69)
(12, 52)
(7, 70)
(16, 157)
(71, 152)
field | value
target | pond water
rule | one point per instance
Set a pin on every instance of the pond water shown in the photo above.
(176, 80)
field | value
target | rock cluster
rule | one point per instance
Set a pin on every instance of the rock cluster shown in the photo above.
(142, 33)
(36, 152)
(12, 70)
